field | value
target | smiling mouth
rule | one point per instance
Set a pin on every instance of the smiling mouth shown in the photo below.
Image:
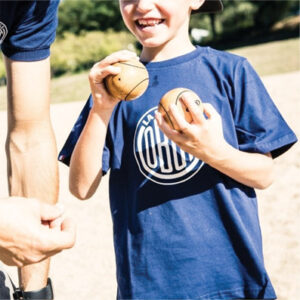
(143, 23)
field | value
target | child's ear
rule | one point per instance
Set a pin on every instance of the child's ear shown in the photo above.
(196, 4)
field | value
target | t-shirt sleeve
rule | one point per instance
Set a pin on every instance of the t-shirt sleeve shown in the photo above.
(67, 150)
(30, 29)
(259, 125)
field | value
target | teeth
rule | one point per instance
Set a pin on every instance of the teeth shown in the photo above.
(149, 22)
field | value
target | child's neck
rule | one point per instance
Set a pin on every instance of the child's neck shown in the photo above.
(166, 51)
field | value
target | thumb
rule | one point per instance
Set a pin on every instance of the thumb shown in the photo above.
(50, 212)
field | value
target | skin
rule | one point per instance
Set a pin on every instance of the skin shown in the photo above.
(170, 37)
(162, 29)
(203, 138)
(31, 231)
(86, 173)
(31, 146)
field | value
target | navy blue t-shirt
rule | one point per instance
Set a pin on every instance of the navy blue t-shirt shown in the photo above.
(27, 28)
(182, 229)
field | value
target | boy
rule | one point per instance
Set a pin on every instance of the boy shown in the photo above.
(185, 218)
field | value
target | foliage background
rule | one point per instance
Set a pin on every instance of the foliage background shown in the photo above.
(89, 30)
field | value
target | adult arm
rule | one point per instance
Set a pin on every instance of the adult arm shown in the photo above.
(31, 146)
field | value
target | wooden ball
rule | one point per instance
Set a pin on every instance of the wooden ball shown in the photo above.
(173, 96)
(130, 83)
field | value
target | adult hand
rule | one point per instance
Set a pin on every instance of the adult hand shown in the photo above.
(31, 231)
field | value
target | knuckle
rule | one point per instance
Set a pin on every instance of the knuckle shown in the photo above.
(91, 74)
(15, 261)
(184, 129)
(33, 259)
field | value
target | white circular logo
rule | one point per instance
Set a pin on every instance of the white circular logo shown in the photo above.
(160, 159)
(3, 32)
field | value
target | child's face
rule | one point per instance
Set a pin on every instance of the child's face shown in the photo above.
(156, 23)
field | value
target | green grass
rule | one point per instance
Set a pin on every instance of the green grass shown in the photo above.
(273, 57)
(267, 59)
(70, 88)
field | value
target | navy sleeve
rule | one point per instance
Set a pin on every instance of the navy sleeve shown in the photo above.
(67, 150)
(29, 28)
(259, 125)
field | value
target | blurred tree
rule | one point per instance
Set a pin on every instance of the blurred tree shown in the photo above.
(244, 17)
(269, 12)
(260, 14)
(88, 15)
(237, 15)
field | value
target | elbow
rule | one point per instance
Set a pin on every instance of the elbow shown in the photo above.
(79, 195)
(81, 186)
(77, 185)
(80, 192)
(266, 180)
(263, 184)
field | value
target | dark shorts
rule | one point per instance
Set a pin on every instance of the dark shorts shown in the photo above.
(5, 285)
(27, 28)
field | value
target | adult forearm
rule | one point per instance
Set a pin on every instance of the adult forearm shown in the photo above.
(252, 169)
(86, 160)
(32, 172)
(32, 166)
(31, 146)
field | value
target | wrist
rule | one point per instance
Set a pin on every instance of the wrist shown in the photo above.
(102, 113)
(220, 156)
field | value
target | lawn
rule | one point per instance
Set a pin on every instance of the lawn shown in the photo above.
(269, 58)
(274, 57)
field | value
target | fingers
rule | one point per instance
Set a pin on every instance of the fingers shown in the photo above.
(182, 124)
(57, 240)
(118, 56)
(194, 107)
(103, 68)
(209, 111)
(50, 212)
(199, 113)
(169, 132)
(98, 73)
(61, 231)
(68, 227)
(51, 241)
(57, 222)
(163, 125)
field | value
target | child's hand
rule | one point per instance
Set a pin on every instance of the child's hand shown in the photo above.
(102, 99)
(203, 137)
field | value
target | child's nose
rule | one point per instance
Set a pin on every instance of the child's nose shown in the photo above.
(144, 5)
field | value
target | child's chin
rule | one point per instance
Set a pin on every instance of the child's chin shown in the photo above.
(151, 43)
